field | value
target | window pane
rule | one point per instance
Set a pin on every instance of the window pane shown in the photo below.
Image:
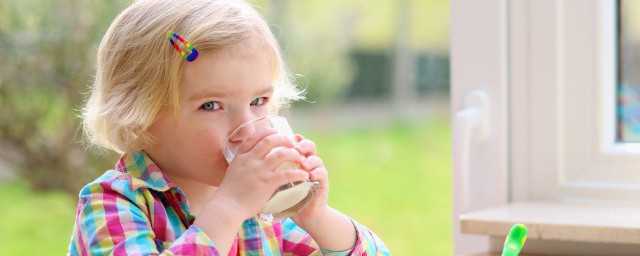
(629, 71)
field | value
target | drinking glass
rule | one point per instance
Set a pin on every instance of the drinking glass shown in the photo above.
(290, 198)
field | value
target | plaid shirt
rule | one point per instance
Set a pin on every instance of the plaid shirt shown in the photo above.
(137, 210)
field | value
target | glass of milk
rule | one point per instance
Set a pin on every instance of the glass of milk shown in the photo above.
(288, 199)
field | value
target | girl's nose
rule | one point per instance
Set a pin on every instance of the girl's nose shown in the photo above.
(241, 125)
(243, 132)
(251, 124)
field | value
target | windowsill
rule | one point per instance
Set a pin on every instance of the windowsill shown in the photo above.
(577, 222)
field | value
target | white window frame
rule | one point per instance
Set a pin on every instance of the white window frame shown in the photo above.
(548, 69)
(567, 76)
(478, 76)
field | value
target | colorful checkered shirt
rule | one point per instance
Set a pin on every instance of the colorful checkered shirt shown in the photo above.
(137, 210)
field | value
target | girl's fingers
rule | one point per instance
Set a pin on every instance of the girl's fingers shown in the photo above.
(319, 174)
(281, 156)
(291, 175)
(311, 162)
(306, 147)
(268, 143)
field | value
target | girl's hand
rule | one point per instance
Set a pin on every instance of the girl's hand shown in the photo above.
(314, 165)
(251, 177)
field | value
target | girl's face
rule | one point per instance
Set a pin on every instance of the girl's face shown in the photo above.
(219, 92)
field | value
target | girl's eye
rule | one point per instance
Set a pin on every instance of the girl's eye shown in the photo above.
(259, 101)
(211, 105)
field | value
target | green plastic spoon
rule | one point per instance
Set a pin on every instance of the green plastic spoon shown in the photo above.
(515, 240)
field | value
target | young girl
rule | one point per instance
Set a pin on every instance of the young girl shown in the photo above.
(174, 78)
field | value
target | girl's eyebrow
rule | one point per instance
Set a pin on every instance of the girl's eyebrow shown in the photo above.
(204, 94)
(266, 90)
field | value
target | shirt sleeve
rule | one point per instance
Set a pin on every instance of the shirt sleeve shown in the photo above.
(110, 222)
(367, 242)
(298, 242)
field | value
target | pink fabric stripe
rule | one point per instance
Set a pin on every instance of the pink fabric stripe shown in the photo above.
(277, 229)
(114, 225)
(159, 220)
(297, 248)
(81, 242)
(234, 247)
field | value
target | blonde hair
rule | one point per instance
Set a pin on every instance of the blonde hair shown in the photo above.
(139, 72)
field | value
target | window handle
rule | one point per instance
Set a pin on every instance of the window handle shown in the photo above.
(471, 126)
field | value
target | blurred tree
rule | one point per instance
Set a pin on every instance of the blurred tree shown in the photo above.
(315, 39)
(322, 41)
(49, 52)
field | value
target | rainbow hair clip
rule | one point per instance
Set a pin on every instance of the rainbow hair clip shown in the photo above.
(190, 57)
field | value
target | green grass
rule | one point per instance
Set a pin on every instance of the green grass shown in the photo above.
(395, 179)
(34, 223)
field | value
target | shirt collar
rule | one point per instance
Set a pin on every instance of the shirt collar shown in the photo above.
(143, 172)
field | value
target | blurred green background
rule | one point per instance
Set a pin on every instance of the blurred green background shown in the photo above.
(377, 77)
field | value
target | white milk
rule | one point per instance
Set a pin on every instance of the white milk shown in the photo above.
(287, 198)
